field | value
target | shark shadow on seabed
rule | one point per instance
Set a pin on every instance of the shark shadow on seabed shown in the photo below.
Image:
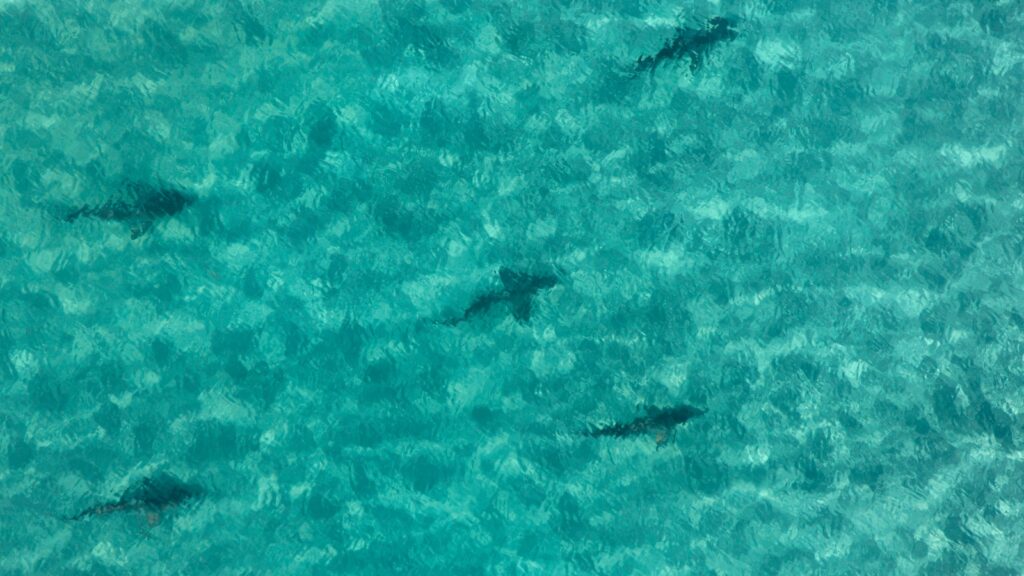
(517, 292)
(658, 421)
(137, 204)
(692, 43)
(152, 495)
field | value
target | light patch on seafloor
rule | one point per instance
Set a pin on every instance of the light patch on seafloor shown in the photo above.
(745, 166)
(777, 53)
(757, 455)
(464, 391)
(552, 361)
(839, 66)
(251, 314)
(1007, 56)
(970, 157)
(122, 401)
(109, 554)
(424, 291)
(714, 208)
(808, 212)
(83, 346)
(175, 229)
(457, 247)
(912, 302)
(147, 379)
(268, 492)
(671, 374)
(882, 123)
(216, 403)
(885, 80)
(271, 347)
(73, 300)
(854, 370)
(668, 260)
(42, 260)
(543, 228)
(25, 363)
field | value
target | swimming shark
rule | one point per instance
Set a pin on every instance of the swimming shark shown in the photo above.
(660, 421)
(694, 43)
(138, 204)
(151, 495)
(518, 290)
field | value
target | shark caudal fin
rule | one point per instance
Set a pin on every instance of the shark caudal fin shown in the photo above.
(522, 282)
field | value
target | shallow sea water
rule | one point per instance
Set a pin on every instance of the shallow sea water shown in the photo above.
(816, 237)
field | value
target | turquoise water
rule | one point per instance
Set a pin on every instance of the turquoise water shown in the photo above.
(815, 236)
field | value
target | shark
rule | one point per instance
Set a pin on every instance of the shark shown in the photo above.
(151, 495)
(517, 291)
(659, 421)
(693, 43)
(138, 204)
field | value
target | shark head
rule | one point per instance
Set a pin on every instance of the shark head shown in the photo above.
(673, 416)
(163, 491)
(154, 202)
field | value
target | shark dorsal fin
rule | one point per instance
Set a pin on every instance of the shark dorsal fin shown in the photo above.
(524, 282)
(521, 306)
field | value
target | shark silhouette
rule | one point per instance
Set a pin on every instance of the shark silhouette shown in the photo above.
(659, 421)
(518, 290)
(694, 43)
(139, 205)
(151, 495)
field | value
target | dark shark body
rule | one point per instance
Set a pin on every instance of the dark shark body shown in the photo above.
(692, 43)
(138, 204)
(518, 290)
(660, 421)
(151, 495)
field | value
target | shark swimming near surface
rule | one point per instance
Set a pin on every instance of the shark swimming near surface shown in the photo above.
(139, 205)
(517, 291)
(693, 43)
(659, 421)
(151, 495)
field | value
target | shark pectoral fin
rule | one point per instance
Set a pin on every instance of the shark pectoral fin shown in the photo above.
(72, 216)
(80, 516)
(521, 308)
(453, 321)
(512, 280)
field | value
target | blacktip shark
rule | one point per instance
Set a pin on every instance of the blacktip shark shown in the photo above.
(693, 43)
(151, 495)
(518, 290)
(139, 205)
(658, 421)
